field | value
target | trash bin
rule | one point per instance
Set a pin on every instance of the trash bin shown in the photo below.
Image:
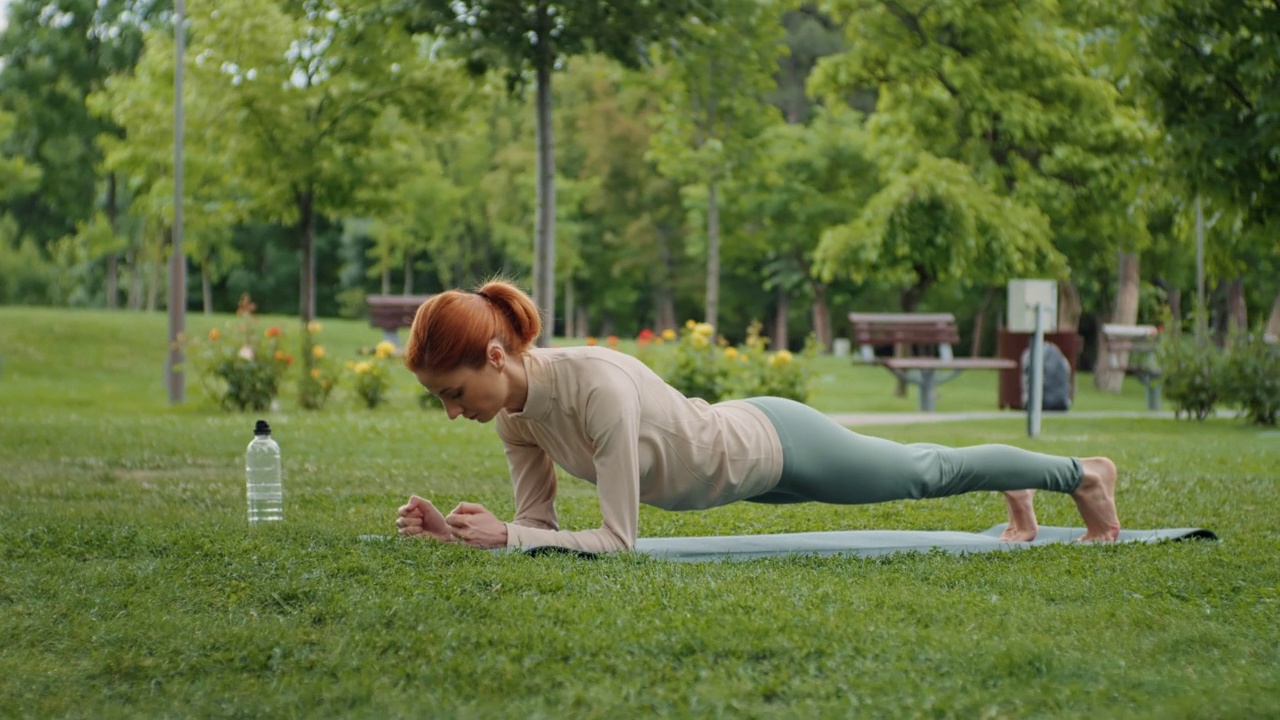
(1011, 345)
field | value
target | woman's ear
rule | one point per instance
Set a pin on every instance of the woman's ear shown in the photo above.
(496, 354)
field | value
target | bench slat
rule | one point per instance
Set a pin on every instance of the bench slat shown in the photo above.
(921, 363)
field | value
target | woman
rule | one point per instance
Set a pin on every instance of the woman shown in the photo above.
(607, 418)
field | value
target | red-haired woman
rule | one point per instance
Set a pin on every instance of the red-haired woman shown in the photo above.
(605, 417)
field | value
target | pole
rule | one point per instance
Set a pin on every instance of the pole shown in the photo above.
(177, 262)
(1035, 393)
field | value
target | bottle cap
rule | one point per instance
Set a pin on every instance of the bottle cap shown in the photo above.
(262, 428)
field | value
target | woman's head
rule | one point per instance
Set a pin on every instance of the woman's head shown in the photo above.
(454, 329)
(460, 342)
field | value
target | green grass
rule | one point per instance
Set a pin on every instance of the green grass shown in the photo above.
(131, 586)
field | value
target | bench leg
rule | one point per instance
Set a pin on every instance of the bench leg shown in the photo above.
(1153, 393)
(392, 336)
(927, 390)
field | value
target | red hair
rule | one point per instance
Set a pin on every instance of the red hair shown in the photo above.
(453, 329)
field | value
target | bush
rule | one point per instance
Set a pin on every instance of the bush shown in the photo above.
(317, 383)
(1251, 378)
(371, 378)
(239, 367)
(698, 365)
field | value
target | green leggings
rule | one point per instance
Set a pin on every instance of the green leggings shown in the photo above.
(825, 462)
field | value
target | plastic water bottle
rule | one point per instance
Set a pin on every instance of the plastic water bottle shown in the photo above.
(264, 485)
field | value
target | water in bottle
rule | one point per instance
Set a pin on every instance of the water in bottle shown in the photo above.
(263, 474)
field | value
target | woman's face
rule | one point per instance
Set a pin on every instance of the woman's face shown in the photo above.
(474, 393)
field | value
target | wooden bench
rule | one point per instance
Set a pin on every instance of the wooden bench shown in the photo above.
(1139, 344)
(927, 332)
(392, 312)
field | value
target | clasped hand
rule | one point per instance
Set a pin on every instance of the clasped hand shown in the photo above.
(469, 523)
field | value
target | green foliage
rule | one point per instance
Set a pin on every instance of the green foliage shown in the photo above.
(699, 365)
(26, 277)
(371, 378)
(316, 384)
(1191, 374)
(1251, 377)
(241, 367)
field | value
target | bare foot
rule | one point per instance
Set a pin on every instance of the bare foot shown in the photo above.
(1096, 500)
(1022, 516)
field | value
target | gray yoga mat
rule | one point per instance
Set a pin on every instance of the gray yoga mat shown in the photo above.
(867, 543)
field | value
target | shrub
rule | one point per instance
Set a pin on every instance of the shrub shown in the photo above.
(239, 367)
(1190, 375)
(371, 378)
(698, 365)
(317, 383)
(1251, 378)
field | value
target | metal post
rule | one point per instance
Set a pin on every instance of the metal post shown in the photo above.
(1035, 393)
(177, 262)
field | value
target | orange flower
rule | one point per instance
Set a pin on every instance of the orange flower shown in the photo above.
(591, 341)
(611, 341)
(273, 332)
(214, 335)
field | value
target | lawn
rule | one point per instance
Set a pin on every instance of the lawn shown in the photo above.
(131, 585)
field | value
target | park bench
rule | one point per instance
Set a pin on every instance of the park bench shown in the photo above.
(925, 332)
(389, 313)
(1138, 343)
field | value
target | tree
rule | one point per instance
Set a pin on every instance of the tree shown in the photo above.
(54, 56)
(715, 77)
(521, 35)
(987, 115)
(302, 84)
(1211, 68)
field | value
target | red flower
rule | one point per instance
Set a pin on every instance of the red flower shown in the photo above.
(273, 332)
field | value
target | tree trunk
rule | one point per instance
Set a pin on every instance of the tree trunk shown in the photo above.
(909, 301)
(307, 285)
(113, 258)
(583, 323)
(135, 279)
(780, 333)
(822, 316)
(1106, 377)
(1068, 307)
(1237, 309)
(1273, 323)
(408, 272)
(153, 274)
(386, 279)
(568, 308)
(713, 256)
(980, 322)
(206, 288)
(544, 241)
(664, 298)
(1173, 299)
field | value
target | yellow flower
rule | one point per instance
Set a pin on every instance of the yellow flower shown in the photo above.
(744, 357)
(782, 358)
(314, 327)
(363, 367)
(669, 334)
(699, 341)
(731, 352)
(689, 323)
(384, 350)
(704, 329)
(315, 373)
(317, 352)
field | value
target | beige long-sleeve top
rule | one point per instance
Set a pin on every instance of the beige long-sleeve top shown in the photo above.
(605, 417)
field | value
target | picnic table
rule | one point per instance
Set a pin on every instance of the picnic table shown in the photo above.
(932, 333)
(392, 312)
(1137, 345)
